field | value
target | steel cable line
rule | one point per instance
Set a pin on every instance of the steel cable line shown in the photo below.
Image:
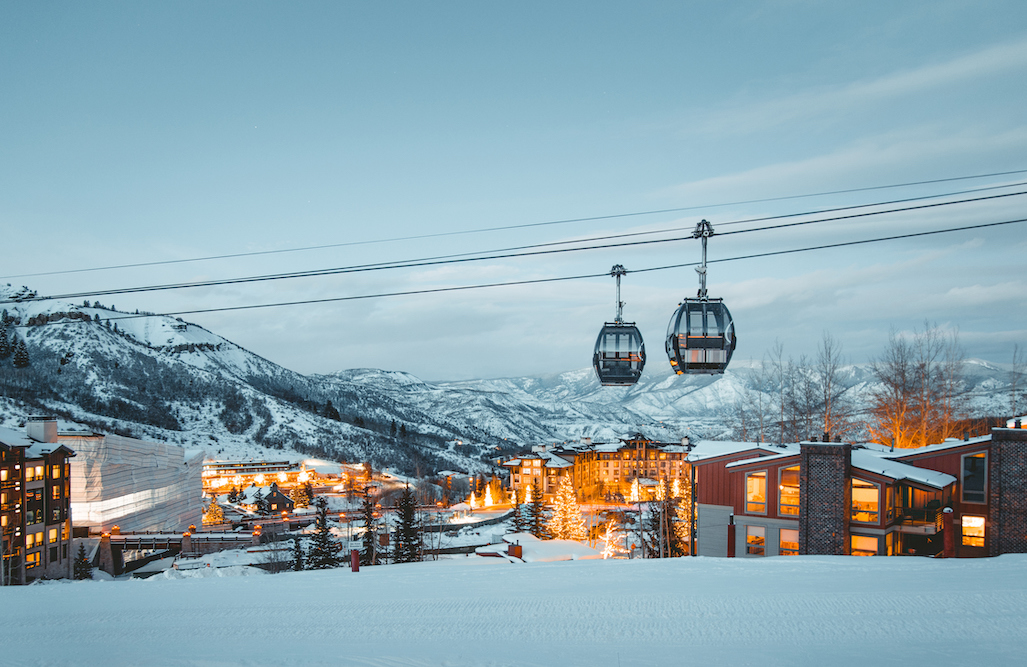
(604, 274)
(501, 254)
(510, 227)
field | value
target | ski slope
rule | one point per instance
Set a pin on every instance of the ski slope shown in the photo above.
(486, 611)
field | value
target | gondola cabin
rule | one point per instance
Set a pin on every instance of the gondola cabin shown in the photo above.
(700, 337)
(619, 355)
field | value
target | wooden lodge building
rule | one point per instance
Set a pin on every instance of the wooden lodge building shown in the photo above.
(963, 498)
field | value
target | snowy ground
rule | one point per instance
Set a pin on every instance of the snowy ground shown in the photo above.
(486, 611)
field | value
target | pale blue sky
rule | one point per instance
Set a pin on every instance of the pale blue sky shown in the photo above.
(134, 132)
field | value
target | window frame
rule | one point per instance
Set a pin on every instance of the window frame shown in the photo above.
(963, 537)
(781, 542)
(766, 492)
(852, 509)
(780, 496)
(755, 548)
(962, 478)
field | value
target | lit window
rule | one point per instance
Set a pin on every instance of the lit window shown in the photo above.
(55, 492)
(789, 542)
(866, 501)
(756, 493)
(975, 477)
(53, 535)
(31, 560)
(788, 498)
(55, 472)
(39, 472)
(3, 475)
(973, 531)
(862, 545)
(30, 474)
(3, 521)
(755, 540)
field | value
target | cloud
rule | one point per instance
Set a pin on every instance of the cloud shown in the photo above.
(764, 115)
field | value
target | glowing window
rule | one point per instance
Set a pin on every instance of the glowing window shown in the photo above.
(55, 472)
(53, 535)
(3, 475)
(973, 531)
(756, 493)
(975, 477)
(31, 560)
(788, 498)
(755, 540)
(789, 542)
(866, 501)
(862, 545)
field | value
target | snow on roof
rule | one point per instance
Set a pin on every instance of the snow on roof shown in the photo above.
(513, 462)
(554, 461)
(941, 446)
(1012, 422)
(710, 449)
(33, 449)
(869, 461)
(762, 459)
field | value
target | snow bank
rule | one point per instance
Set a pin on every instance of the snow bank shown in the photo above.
(804, 610)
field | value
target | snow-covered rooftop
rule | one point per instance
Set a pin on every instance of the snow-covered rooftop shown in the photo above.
(873, 462)
(709, 449)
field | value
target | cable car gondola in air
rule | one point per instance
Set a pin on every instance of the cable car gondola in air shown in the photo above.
(620, 352)
(701, 334)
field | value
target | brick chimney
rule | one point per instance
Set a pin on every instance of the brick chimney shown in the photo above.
(825, 496)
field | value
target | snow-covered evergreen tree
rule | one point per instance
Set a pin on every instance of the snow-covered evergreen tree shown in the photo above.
(519, 524)
(297, 554)
(537, 514)
(21, 355)
(299, 497)
(213, 515)
(324, 549)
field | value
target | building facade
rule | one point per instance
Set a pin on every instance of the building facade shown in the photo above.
(964, 498)
(35, 515)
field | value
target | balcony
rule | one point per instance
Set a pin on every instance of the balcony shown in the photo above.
(919, 520)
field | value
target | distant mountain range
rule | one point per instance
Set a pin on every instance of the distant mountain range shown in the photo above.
(166, 379)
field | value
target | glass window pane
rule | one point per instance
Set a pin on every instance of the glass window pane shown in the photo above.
(973, 531)
(789, 492)
(755, 540)
(756, 493)
(789, 542)
(865, 501)
(863, 546)
(975, 477)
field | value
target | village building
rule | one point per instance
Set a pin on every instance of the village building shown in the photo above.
(35, 517)
(273, 500)
(602, 471)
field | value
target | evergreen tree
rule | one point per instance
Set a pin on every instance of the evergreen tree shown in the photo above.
(213, 515)
(369, 554)
(519, 524)
(324, 549)
(408, 535)
(5, 341)
(393, 429)
(83, 568)
(537, 513)
(308, 490)
(662, 535)
(331, 413)
(258, 500)
(566, 522)
(21, 354)
(233, 495)
(297, 554)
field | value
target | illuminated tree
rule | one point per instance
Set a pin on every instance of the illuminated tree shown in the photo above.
(675, 489)
(566, 522)
(324, 549)
(299, 497)
(609, 539)
(83, 568)
(488, 496)
(472, 502)
(634, 491)
(213, 515)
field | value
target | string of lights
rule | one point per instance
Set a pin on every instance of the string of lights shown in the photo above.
(476, 257)
(614, 216)
(456, 288)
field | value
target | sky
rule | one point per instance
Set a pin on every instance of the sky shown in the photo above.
(142, 133)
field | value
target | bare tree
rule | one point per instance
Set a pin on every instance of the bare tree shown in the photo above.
(920, 397)
(835, 408)
(1016, 382)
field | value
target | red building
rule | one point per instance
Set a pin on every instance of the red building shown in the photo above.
(835, 498)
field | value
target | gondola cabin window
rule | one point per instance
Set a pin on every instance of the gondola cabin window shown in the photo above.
(756, 492)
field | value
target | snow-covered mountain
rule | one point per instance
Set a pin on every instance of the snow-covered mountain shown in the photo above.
(164, 378)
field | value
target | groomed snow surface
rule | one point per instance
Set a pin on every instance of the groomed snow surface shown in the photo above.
(487, 611)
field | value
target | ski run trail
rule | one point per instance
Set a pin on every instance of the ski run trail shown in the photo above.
(487, 611)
